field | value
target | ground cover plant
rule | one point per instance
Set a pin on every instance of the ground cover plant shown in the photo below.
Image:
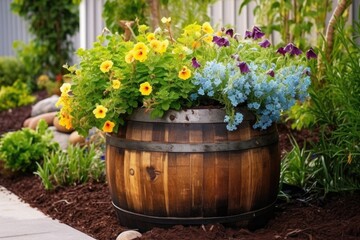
(21, 150)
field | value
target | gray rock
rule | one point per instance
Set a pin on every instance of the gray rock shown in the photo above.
(44, 106)
(61, 138)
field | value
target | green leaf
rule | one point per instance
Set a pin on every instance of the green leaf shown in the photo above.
(244, 3)
(165, 105)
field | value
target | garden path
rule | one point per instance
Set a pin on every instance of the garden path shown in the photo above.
(19, 221)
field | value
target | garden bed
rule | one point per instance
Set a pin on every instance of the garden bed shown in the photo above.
(88, 207)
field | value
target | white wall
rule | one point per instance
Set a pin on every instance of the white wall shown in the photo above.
(12, 28)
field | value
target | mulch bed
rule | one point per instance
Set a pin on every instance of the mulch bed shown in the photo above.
(88, 207)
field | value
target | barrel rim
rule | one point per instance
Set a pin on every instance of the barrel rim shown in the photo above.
(225, 146)
(192, 115)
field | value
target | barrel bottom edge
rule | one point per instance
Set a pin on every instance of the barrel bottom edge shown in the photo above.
(251, 220)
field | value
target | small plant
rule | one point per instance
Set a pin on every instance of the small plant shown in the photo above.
(21, 150)
(74, 166)
(298, 167)
(15, 96)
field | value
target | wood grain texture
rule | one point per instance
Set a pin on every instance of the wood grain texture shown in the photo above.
(186, 184)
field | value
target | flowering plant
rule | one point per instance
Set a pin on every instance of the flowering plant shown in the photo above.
(201, 67)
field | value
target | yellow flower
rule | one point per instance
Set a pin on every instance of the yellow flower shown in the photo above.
(65, 120)
(65, 88)
(145, 88)
(155, 45)
(166, 20)
(185, 73)
(140, 55)
(208, 39)
(108, 126)
(196, 44)
(140, 51)
(64, 100)
(150, 36)
(129, 58)
(43, 80)
(141, 46)
(106, 66)
(164, 45)
(116, 84)
(192, 29)
(206, 27)
(100, 111)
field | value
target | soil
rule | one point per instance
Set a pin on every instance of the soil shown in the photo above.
(88, 207)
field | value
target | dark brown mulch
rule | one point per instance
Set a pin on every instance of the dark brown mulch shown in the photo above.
(88, 207)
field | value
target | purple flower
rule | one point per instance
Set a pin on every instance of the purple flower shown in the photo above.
(265, 43)
(221, 41)
(195, 63)
(292, 49)
(244, 68)
(248, 34)
(311, 54)
(257, 33)
(281, 50)
(271, 73)
(307, 72)
(230, 32)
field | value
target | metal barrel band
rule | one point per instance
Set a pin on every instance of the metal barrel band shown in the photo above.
(255, 142)
(195, 220)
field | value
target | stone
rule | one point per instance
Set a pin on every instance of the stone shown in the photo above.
(44, 106)
(128, 235)
(61, 138)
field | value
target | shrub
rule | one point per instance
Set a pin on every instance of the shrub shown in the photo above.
(15, 96)
(74, 166)
(11, 69)
(21, 150)
(52, 23)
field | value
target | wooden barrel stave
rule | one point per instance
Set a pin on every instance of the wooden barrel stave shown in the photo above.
(192, 185)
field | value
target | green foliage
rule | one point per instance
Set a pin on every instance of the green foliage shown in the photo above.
(191, 11)
(336, 109)
(117, 10)
(194, 11)
(292, 19)
(298, 167)
(74, 166)
(300, 116)
(52, 23)
(21, 150)
(11, 69)
(15, 96)
(31, 56)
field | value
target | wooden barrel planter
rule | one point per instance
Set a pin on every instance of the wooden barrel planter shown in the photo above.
(186, 168)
